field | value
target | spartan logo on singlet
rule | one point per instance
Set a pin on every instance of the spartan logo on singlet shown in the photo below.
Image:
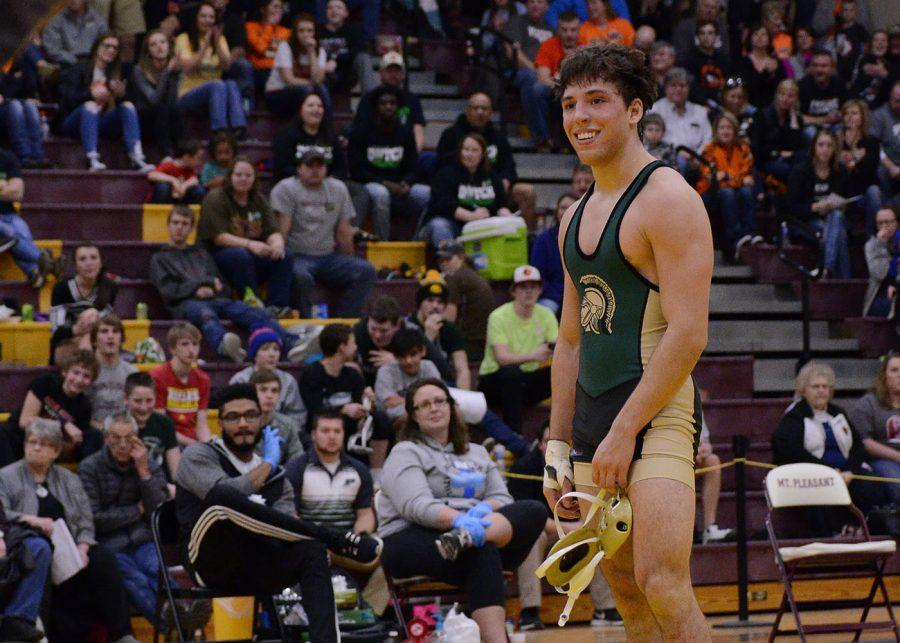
(598, 305)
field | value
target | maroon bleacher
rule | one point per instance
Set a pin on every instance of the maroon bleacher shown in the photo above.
(725, 377)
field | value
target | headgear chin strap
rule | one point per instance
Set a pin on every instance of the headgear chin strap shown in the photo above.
(573, 559)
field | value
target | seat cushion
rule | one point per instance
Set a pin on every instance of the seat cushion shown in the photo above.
(818, 549)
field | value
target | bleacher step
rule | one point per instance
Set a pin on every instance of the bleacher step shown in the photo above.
(767, 336)
(751, 299)
(777, 375)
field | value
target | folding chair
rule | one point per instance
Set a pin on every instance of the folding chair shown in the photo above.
(164, 525)
(801, 485)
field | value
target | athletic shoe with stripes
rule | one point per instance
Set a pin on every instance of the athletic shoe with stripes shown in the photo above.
(359, 547)
(451, 544)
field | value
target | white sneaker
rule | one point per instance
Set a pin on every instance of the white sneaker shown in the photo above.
(230, 346)
(714, 533)
(606, 618)
(743, 241)
(94, 163)
(140, 164)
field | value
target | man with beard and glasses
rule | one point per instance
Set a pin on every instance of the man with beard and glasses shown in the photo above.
(238, 525)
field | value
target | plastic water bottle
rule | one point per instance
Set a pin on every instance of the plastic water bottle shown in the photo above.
(499, 455)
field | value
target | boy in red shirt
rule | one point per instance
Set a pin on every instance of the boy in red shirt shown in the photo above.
(182, 389)
(175, 180)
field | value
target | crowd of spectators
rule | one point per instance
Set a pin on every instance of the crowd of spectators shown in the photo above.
(776, 105)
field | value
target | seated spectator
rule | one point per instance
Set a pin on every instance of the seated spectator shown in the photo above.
(203, 53)
(383, 156)
(874, 70)
(300, 67)
(604, 26)
(545, 257)
(537, 100)
(218, 478)
(237, 227)
(19, 111)
(456, 524)
(804, 46)
(176, 181)
(264, 36)
(15, 235)
(393, 74)
(428, 317)
(859, 157)
(734, 99)
(29, 557)
(877, 419)
(683, 35)
(662, 59)
(529, 585)
(268, 391)
(223, 148)
(477, 120)
(878, 301)
(814, 197)
(821, 94)
(465, 189)
(345, 47)
(730, 192)
(92, 97)
(395, 378)
(520, 336)
(265, 346)
(156, 430)
(124, 488)
(70, 35)
(759, 69)
(37, 492)
(709, 494)
(61, 397)
(374, 335)
(182, 389)
(334, 384)
(154, 91)
(126, 19)
(76, 303)
(316, 217)
(815, 430)
(470, 299)
(686, 123)
(331, 488)
(709, 65)
(106, 394)
(654, 132)
(583, 175)
(778, 132)
(773, 19)
(886, 128)
(846, 40)
(190, 285)
(528, 32)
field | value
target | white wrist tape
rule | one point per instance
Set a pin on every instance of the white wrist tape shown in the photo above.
(557, 467)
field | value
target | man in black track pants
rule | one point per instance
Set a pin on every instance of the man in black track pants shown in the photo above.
(239, 530)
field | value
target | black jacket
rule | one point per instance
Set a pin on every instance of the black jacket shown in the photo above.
(377, 154)
(866, 171)
(709, 72)
(454, 187)
(805, 188)
(178, 273)
(770, 137)
(500, 152)
(787, 440)
(292, 141)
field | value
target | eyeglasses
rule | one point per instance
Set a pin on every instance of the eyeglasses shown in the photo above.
(437, 403)
(234, 418)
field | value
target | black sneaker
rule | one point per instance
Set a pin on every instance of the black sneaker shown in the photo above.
(530, 619)
(7, 243)
(15, 628)
(360, 547)
(451, 544)
(606, 618)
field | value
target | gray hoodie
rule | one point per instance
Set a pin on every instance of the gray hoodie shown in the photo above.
(421, 478)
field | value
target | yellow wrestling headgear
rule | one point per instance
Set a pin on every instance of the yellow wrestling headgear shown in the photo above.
(573, 560)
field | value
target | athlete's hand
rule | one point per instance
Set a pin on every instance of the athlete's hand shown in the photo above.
(558, 479)
(611, 461)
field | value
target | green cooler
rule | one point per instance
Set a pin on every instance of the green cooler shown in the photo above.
(497, 245)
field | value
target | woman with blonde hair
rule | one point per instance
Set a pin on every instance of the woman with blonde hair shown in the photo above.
(860, 156)
(815, 430)
(154, 90)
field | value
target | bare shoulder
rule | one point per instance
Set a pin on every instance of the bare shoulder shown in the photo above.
(667, 193)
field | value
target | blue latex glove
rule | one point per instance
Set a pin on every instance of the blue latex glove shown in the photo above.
(475, 527)
(480, 510)
(271, 446)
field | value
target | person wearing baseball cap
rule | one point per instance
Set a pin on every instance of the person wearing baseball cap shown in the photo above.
(431, 303)
(471, 298)
(520, 338)
(316, 216)
(392, 71)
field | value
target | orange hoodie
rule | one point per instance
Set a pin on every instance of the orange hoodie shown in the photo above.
(735, 160)
(260, 37)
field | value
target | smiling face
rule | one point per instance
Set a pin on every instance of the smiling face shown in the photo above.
(597, 121)
(206, 19)
(470, 154)
(879, 43)
(410, 362)
(312, 111)
(336, 12)
(140, 403)
(382, 332)
(243, 176)
(76, 380)
(725, 131)
(107, 50)
(87, 262)
(274, 11)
